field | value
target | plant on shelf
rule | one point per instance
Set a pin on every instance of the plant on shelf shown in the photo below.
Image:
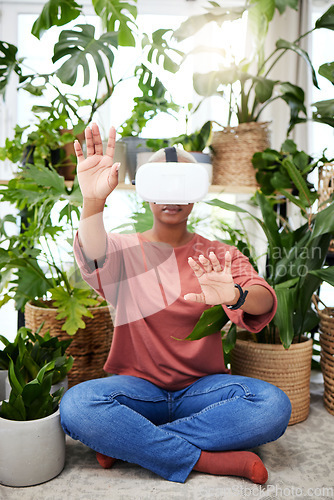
(77, 50)
(192, 142)
(45, 144)
(246, 84)
(196, 141)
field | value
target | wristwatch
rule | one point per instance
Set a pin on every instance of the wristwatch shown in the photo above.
(241, 299)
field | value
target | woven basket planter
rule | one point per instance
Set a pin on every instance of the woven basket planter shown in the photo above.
(233, 149)
(90, 346)
(288, 369)
(326, 330)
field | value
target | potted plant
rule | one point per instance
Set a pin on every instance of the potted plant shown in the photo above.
(295, 268)
(249, 89)
(48, 143)
(37, 351)
(32, 440)
(38, 268)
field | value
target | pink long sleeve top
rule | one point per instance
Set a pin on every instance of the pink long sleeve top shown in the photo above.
(146, 282)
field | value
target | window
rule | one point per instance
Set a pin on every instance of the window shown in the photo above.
(322, 136)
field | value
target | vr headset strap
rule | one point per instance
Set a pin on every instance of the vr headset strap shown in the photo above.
(171, 154)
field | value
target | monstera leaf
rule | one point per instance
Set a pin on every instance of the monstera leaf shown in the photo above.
(158, 48)
(55, 13)
(8, 64)
(81, 45)
(112, 13)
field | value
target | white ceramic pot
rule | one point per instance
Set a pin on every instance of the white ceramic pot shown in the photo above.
(3, 377)
(31, 452)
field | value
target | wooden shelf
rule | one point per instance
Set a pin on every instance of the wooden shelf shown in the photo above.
(229, 189)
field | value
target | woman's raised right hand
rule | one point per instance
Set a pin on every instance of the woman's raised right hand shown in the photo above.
(97, 174)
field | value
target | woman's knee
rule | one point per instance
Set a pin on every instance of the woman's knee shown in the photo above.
(274, 408)
(75, 407)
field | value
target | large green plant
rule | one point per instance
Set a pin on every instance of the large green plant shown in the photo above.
(32, 263)
(247, 85)
(35, 363)
(296, 263)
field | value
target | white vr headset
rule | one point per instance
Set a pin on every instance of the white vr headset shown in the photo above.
(172, 182)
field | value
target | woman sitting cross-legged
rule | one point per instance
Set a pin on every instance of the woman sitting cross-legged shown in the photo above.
(170, 406)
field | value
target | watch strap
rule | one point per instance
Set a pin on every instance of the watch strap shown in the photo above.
(241, 299)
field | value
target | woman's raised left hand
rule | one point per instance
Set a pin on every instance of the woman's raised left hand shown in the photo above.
(216, 283)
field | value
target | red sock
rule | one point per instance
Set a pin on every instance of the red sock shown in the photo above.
(233, 463)
(104, 461)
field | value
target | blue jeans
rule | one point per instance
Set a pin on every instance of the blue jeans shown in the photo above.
(131, 419)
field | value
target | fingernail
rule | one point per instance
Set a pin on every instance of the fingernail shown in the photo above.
(117, 166)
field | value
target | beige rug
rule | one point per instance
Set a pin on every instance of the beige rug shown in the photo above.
(300, 464)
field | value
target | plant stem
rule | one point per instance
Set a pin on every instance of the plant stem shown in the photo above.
(72, 108)
(281, 54)
(265, 105)
(60, 272)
